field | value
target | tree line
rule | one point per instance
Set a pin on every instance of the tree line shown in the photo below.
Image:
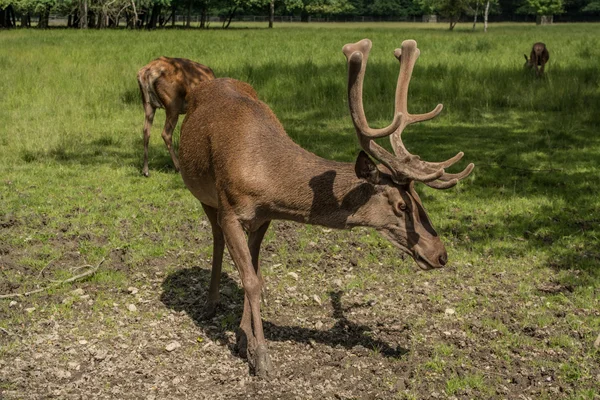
(152, 14)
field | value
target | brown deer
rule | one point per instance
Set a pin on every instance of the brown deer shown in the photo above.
(538, 58)
(164, 83)
(237, 159)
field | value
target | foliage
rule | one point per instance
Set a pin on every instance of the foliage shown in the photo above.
(542, 7)
(319, 6)
(450, 9)
(592, 7)
(394, 8)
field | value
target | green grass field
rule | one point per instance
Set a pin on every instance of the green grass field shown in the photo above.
(522, 232)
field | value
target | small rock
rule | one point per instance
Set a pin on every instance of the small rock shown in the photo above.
(132, 308)
(12, 303)
(318, 325)
(100, 355)
(132, 290)
(177, 380)
(450, 311)
(62, 374)
(172, 346)
(293, 275)
(77, 292)
(597, 342)
(84, 297)
(337, 282)
(317, 299)
(83, 341)
(73, 365)
(30, 310)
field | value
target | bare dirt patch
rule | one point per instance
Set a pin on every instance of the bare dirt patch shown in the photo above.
(338, 328)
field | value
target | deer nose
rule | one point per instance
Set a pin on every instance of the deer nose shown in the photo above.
(443, 259)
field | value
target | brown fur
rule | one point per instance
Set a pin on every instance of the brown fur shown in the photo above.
(238, 161)
(538, 58)
(165, 83)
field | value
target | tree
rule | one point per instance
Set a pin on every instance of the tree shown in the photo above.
(592, 7)
(486, 10)
(390, 8)
(311, 7)
(450, 9)
(541, 8)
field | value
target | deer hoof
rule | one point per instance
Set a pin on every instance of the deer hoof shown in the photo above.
(262, 362)
(245, 345)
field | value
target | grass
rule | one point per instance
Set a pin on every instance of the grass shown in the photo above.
(71, 192)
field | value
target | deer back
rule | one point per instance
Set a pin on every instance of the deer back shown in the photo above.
(233, 144)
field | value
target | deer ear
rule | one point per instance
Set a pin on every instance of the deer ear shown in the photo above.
(365, 168)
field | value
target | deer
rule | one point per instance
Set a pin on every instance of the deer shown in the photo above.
(165, 83)
(239, 162)
(538, 58)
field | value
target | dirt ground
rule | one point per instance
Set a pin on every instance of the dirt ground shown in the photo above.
(336, 330)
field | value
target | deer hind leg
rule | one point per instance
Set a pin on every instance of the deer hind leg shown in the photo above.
(257, 352)
(245, 331)
(149, 112)
(167, 134)
(212, 301)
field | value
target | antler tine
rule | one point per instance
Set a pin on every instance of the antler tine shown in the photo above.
(408, 55)
(357, 55)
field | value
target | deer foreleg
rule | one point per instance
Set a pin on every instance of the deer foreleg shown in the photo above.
(258, 355)
(167, 134)
(217, 261)
(541, 70)
(149, 111)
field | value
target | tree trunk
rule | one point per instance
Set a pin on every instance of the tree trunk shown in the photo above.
(189, 14)
(475, 19)
(44, 18)
(135, 15)
(204, 16)
(173, 9)
(485, 15)
(154, 16)
(91, 19)
(452, 23)
(24, 20)
(83, 11)
(271, 13)
(227, 20)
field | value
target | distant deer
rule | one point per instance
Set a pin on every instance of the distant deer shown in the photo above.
(237, 159)
(164, 83)
(538, 58)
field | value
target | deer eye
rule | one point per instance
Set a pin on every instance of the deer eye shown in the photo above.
(401, 206)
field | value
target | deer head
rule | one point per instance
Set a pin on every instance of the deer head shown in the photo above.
(404, 222)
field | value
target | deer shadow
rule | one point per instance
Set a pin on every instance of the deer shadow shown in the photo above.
(186, 290)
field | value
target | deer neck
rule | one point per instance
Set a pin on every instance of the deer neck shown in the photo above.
(326, 193)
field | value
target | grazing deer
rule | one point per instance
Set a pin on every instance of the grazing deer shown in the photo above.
(164, 83)
(237, 159)
(538, 58)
